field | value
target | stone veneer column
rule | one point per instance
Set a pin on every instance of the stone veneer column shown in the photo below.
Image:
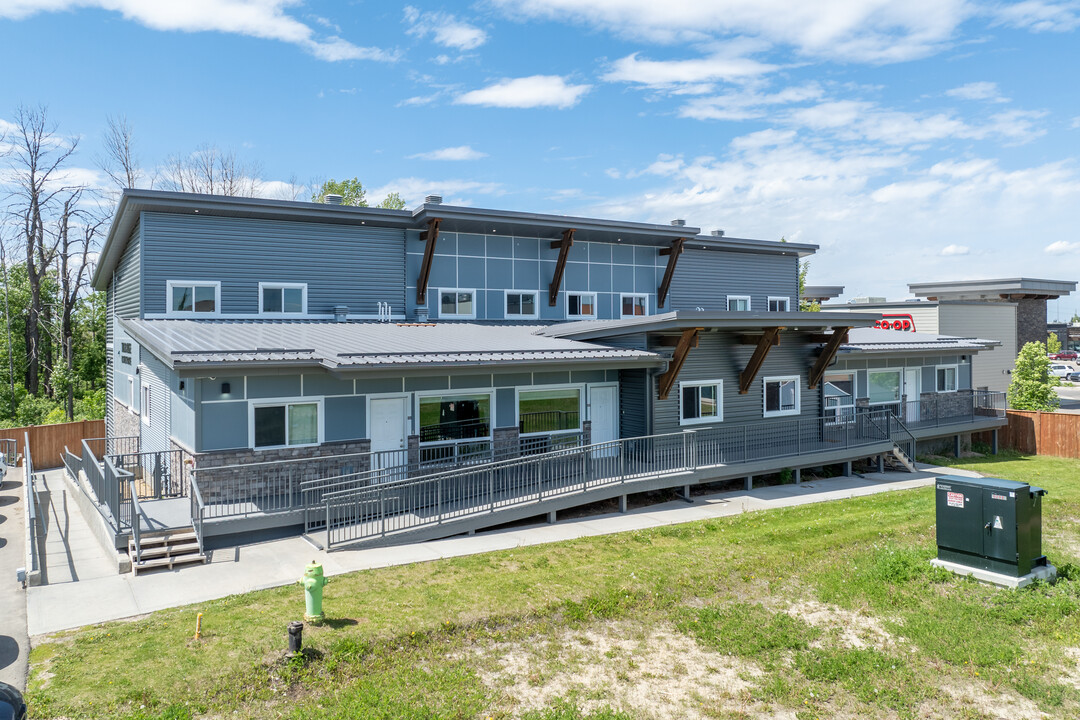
(505, 442)
(1030, 322)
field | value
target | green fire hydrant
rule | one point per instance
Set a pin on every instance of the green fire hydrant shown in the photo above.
(313, 582)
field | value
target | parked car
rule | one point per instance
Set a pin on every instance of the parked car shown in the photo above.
(1074, 376)
(1060, 371)
(1065, 355)
(12, 706)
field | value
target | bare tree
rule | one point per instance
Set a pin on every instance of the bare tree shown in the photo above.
(119, 161)
(7, 321)
(211, 171)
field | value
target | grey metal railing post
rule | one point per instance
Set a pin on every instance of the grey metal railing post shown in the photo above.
(438, 500)
(745, 448)
(327, 503)
(382, 510)
(491, 489)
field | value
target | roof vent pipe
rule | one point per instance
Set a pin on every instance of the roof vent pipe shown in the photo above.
(433, 200)
(718, 233)
(332, 199)
(678, 223)
(341, 313)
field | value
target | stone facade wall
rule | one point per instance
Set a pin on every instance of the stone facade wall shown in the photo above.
(505, 442)
(936, 406)
(125, 423)
(1030, 322)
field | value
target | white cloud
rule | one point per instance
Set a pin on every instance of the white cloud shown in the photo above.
(264, 19)
(461, 152)
(1039, 15)
(667, 73)
(454, 192)
(978, 91)
(1062, 247)
(1075, 124)
(527, 92)
(950, 250)
(746, 105)
(871, 30)
(445, 29)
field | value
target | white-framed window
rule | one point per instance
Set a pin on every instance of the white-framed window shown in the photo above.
(779, 304)
(581, 306)
(634, 304)
(838, 390)
(285, 423)
(550, 409)
(738, 303)
(144, 404)
(947, 378)
(457, 303)
(283, 298)
(522, 304)
(883, 386)
(192, 298)
(701, 401)
(453, 416)
(781, 395)
(131, 394)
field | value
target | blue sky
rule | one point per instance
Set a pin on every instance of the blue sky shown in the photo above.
(914, 141)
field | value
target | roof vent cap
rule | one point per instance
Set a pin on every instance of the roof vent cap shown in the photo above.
(717, 233)
(678, 223)
(332, 199)
(433, 200)
(341, 313)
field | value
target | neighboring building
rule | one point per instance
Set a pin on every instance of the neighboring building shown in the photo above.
(822, 293)
(314, 367)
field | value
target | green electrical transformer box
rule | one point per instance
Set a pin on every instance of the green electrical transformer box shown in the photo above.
(990, 524)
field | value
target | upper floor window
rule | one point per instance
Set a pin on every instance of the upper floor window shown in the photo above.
(283, 298)
(781, 396)
(144, 404)
(634, 305)
(702, 402)
(738, 303)
(521, 304)
(581, 306)
(457, 303)
(779, 304)
(946, 378)
(194, 298)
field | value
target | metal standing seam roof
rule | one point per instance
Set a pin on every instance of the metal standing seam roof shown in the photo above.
(872, 340)
(722, 319)
(351, 345)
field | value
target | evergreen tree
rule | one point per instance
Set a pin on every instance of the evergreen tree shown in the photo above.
(1032, 386)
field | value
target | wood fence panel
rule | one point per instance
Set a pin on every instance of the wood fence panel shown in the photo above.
(1039, 433)
(47, 442)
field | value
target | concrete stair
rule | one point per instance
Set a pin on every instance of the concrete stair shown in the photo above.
(899, 460)
(167, 549)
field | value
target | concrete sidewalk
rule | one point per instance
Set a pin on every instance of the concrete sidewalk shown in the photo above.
(252, 567)
(14, 642)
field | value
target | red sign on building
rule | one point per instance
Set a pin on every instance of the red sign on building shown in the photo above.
(902, 322)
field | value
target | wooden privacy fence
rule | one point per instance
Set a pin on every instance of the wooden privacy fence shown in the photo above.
(1040, 433)
(48, 441)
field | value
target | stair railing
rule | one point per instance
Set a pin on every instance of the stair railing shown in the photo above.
(136, 520)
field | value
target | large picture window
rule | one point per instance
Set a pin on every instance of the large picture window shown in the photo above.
(457, 303)
(883, 386)
(549, 411)
(283, 298)
(701, 402)
(454, 417)
(839, 392)
(193, 298)
(286, 424)
(947, 378)
(781, 396)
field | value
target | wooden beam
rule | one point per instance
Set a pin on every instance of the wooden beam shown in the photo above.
(828, 353)
(667, 380)
(767, 341)
(673, 254)
(564, 246)
(754, 339)
(672, 341)
(430, 235)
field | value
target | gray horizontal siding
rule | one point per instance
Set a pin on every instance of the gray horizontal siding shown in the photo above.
(704, 278)
(125, 281)
(155, 437)
(633, 403)
(356, 266)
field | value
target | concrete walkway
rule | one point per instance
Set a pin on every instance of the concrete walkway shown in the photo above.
(14, 642)
(253, 567)
(72, 553)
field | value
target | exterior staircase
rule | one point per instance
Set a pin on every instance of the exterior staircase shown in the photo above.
(166, 549)
(899, 460)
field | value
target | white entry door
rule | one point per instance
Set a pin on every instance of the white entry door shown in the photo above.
(387, 432)
(604, 414)
(913, 389)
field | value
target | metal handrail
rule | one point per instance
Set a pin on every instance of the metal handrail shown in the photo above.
(198, 508)
(33, 506)
(136, 520)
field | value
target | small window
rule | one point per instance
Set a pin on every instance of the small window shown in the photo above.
(738, 303)
(635, 305)
(781, 396)
(946, 378)
(144, 404)
(286, 424)
(193, 298)
(548, 411)
(521, 304)
(702, 402)
(580, 305)
(131, 395)
(283, 298)
(779, 304)
(457, 303)
(444, 418)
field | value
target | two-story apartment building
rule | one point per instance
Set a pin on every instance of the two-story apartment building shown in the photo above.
(253, 337)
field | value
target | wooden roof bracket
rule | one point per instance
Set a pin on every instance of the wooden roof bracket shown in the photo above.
(564, 246)
(770, 337)
(667, 379)
(673, 254)
(828, 353)
(430, 235)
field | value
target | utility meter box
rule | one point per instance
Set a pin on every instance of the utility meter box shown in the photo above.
(990, 524)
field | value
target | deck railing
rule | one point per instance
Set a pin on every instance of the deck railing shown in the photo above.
(158, 474)
(941, 409)
(36, 518)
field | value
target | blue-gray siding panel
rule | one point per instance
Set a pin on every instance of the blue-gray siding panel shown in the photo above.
(505, 407)
(633, 398)
(345, 418)
(182, 412)
(159, 378)
(222, 426)
(356, 266)
(703, 278)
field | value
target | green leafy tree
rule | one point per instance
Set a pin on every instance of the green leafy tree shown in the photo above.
(352, 192)
(1053, 343)
(393, 201)
(806, 305)
(1032, 386)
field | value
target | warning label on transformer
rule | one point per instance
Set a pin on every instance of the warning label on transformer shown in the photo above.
(955, 499)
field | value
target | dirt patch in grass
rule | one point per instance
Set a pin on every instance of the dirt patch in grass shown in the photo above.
(1006, 706)
(851, 629)
(1071, 676)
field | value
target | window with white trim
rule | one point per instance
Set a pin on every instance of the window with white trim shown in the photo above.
(779, 304)
(781, 395)
(883, 386)
(454, 302)
(189, 299)
(144, 404)
(283, 298)
(521, 304)
(285, 424)
(451, 417)
(581, 305)
(549, 410)
(839, 393)
(701, 402)
(131, 394)
(947, 378)
(634, 304)
(738, 303)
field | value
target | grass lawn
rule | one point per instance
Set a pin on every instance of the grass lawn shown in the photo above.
(822, 611)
